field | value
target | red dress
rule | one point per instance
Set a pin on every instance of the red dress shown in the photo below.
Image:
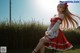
(60, 42)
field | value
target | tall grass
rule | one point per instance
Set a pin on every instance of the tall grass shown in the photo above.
(27, 35)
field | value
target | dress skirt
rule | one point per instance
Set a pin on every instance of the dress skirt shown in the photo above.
(59, 43)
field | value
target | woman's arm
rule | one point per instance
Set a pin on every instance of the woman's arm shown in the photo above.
(56, 25)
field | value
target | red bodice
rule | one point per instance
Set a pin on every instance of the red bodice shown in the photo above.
(54, 20)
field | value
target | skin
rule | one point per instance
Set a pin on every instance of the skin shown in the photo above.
(40, 45)
(60, 8)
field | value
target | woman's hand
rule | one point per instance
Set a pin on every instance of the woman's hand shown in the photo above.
(46, 34)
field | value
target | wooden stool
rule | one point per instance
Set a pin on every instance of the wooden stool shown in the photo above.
(55, 51)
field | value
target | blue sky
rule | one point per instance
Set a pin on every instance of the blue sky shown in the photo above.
(28, 10)
(20, 8)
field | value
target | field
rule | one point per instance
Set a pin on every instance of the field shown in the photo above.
(47, 51)
(22, 38)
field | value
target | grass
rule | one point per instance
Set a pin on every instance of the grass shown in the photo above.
(46, 51)
(73, 51)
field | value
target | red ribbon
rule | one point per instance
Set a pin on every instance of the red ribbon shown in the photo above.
(66, 5)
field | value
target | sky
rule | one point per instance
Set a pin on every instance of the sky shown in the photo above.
(33, 10)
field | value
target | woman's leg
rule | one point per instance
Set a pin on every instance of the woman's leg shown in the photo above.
(42, 49)
(41, 43)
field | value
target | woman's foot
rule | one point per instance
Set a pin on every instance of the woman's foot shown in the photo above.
(34, 51)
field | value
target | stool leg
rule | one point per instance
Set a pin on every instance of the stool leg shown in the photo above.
(53, 51)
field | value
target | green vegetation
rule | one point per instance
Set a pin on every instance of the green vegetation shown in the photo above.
(26, 36)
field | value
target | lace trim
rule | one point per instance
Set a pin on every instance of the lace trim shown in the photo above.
(59, 43)
(60, 49)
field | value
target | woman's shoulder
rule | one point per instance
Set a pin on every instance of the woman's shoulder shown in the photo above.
(60, 17)
(54, 19)
(57, 17)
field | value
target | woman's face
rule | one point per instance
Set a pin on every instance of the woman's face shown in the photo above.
(60, 8)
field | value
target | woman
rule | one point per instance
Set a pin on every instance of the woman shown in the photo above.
(54, 37)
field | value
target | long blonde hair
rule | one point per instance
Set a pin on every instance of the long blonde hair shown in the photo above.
(69, 20)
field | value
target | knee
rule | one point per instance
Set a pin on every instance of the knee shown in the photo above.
(42, 39)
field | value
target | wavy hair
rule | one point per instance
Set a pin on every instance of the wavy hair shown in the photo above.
(69, 20)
